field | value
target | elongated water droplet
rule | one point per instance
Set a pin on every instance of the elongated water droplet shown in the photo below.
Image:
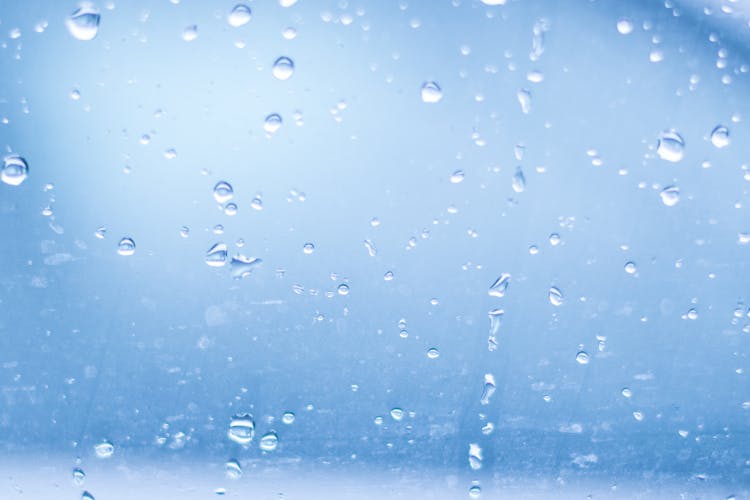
(105, 449)
(15, 170)
(190, 33)
(242, 266)
(283, 68)
(83, 23)
(496, 318)
(524, 99)
(273, 123)
(216, 256)
(720, 136)
(239, 16)
(670, 195)
(475, 456)
(269, 441)
(223, 192)
(489, 388)
(670, 146)
(582, 357)
(500, 286)
(431, 92)
(126, 247)
(519, 181)
(371, 250)
(241, 428)
(555, 296)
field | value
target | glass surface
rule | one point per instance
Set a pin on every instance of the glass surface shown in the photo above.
(374, 249)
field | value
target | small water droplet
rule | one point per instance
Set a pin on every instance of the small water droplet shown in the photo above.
(15, 170)
(239, 16)
(343, 289)
(190, 33)
(289, 33)
(692, 314)
(431, 92)
(184, 231)
(269, 441)
(397, 414)
(78, 476)
(233, 469)
(105, 449)
(287, 3)
(83, 23)
(582, 357)
(624, 26)
(630, 267)
(670, 146)
(230, 209)
(126, 247)
(626, 392)
(223, 192)
(87, 496)
(533, 250)
(75, 94)
(308, 248)
(457, 177)
(288, 418)
(241, 428)
(720, 136)
(220, 491)
(638, 416)
(433, 353)
(388, 276)
(216, 256)
(519, 181)
(670, 195)
(500, 286)
(555, 296)
(554, 239)
(493, 2)
(283, 68)
(273, 123)
(475, 491)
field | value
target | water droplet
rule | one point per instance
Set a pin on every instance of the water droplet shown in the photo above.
(431, 92)
(233, 469)
(554, 239)
(533, 250)
(184, 231)
(241, 428)
(457, 177)
(288, 418)
(220, 491)
(388, 276)
(519, 181)
(624, 26)
(283, 68)
(524, 99)
(555, 296)
(670, 195)
(230, 209)
(287, 3)
(500, 286)
(626, 392)
(105, 449)
(397, 414)
(126, 247)
(78, 476)
(289, 33)
(489, 388)
(493, 2)
(638, 416)
(308, 248)
(475, 456)
(87, 496)
(15, 170)
(343, 289)
(475, 491)
(630, 267)
(273, 123)
(100, 232)
(75, 94)
(239, 16)
(242, 266)
(269, 441)
(371, 250)
(496, 317)
(216, 256)
(720, 136)
(582, 357)
(190, 33)
(83, 23)
(670, 146)
(256, 204)
(692, 314)
(433, 353)
(223, 192)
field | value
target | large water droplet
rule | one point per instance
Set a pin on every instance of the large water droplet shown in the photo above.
(475, 456)
(720, 136)
(283, 68)
(269, 441)
(670, 146)
(519, 181)
(223, 192)
(500, 286)
(670, 195)
(233, 469)
(242, 266)
(105, 449)
(555, 296)
(582, 357)
(216, 256)
(273, 123)
(239, 16)
(126, 247)
(83, 23)
(489, 388)
(431, 92)
(15, 170)
(241, 428)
